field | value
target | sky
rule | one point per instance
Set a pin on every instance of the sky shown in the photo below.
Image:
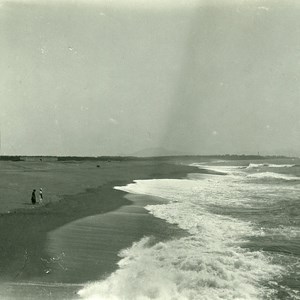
(116, 77)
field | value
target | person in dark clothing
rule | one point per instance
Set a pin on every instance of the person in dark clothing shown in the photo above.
(33, 197)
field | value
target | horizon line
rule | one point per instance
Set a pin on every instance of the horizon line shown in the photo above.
(150, 156)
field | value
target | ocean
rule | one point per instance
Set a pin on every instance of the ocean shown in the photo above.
(242, 236)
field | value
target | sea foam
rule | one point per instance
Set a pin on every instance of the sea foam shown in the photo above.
(210, 263)
(183, 270)
(253, 165)
(271, 175)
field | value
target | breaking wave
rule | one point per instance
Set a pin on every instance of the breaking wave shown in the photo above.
(271, 175)
(210, 263)
(177, 270)
(253, 166)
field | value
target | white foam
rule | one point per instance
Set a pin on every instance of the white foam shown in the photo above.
(253, 166)
(287, 232)
(183, 270)
(281, 166)
(208, 264)
(271, 175)
(211, 189)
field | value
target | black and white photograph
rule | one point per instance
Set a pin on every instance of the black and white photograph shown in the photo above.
(150, 150)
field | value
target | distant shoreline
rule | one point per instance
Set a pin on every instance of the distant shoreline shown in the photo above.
(131, 158)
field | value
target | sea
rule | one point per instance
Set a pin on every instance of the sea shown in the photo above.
(242, 239)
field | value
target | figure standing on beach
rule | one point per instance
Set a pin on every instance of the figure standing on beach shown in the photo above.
(33, 197)
(41, 195)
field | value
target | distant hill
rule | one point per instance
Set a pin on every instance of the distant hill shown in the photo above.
(151, 152)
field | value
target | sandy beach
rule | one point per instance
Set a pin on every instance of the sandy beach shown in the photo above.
(51, 249)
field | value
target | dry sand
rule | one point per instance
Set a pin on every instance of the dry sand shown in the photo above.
(49, 250)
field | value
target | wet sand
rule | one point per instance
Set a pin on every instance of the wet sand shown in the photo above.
(51, 249)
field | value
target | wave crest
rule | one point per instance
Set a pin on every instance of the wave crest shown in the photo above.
(254, 166)
(271, 175)
(177, 270)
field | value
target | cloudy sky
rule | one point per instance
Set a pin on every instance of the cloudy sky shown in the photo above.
(115, 77)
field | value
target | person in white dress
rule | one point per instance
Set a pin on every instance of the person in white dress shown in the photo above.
(41, 195)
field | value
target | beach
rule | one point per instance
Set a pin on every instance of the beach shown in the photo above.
(75, 235)
(182, 229)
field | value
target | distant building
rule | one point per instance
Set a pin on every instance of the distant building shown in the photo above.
(38, 158)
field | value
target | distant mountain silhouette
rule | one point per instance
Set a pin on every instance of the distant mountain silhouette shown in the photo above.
(150, 152)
